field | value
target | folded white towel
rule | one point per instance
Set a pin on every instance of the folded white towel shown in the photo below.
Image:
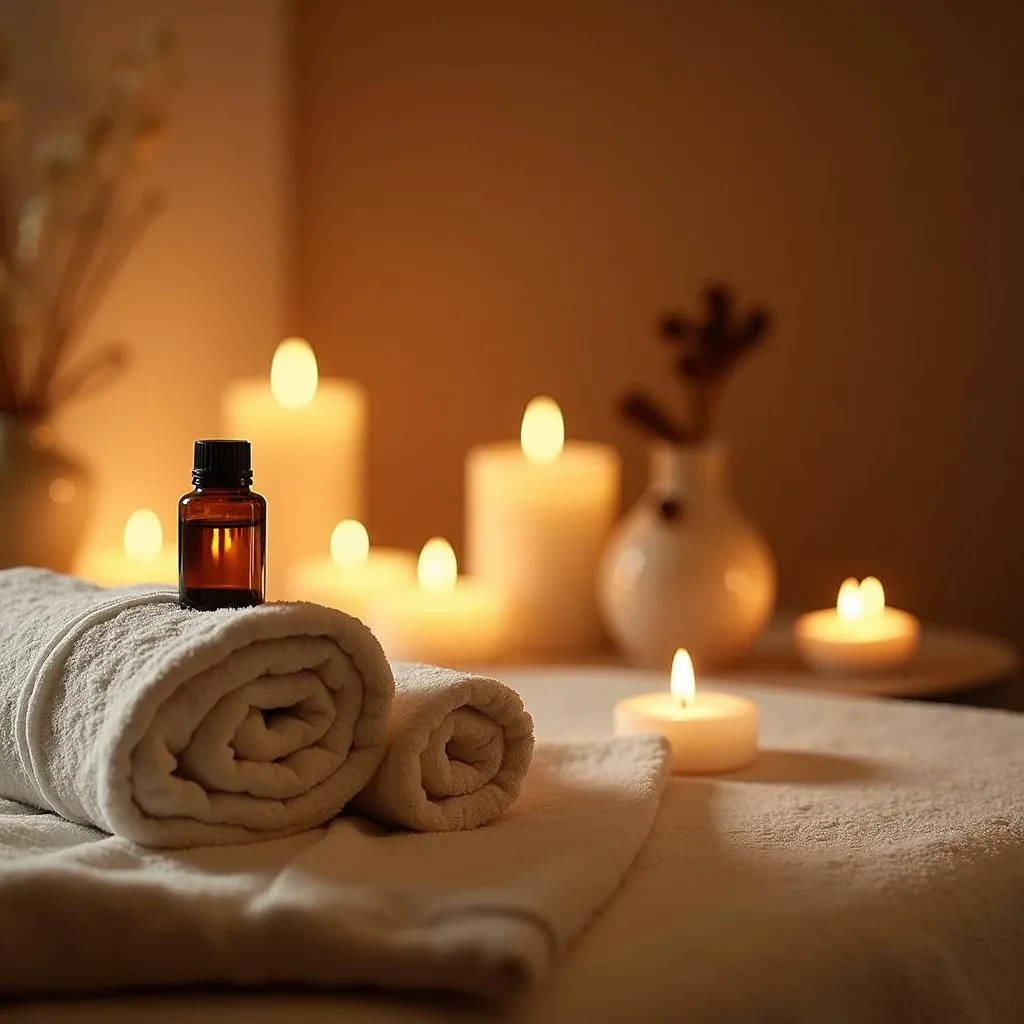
(484, 912)
(177, 728)
(459, 747)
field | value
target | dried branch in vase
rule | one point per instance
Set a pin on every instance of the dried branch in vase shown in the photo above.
(63, 246)
(705, 355)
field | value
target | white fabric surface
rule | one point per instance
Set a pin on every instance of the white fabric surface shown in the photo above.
(175, 728)
(458, 750)
(486, 912)
(868, 868)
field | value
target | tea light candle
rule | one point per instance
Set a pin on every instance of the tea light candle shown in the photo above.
(859, 635)
(308, 438)
(354, 575)
(445, 619)
(709, 732)
(537, 515)
(143, 557)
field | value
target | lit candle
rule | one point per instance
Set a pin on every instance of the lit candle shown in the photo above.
(354, 575)
(444, 618)
(537, 515)
(709, 732)
(142, 558)
(861, 634)
(308, 438)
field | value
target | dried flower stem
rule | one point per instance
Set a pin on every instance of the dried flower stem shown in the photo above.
(57, 329)
(639, 410)
(91, 373)
(707, 353)
(110, 262)
(702, 407)
(62, 251)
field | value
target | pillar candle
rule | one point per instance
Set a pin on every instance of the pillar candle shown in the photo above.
(308, 438)
(708, 732)
(537, 516)
(142, 558)
(444, 618)
(862, 634)
(355, 575)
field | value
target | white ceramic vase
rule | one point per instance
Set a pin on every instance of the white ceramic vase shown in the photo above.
(684, 568)
(44, 498)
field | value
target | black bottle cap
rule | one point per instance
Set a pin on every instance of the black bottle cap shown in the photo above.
(222, 464)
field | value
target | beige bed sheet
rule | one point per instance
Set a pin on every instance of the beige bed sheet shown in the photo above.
(869, 867)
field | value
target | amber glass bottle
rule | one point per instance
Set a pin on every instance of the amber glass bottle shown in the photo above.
(222, 534)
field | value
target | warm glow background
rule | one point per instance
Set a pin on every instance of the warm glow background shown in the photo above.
(492, 201)
(496, 199)
(202, 298)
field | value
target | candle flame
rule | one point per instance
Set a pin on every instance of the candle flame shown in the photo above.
(143, 535)
(543, 432)
(293, 373)
(437, 568)
(849, 605)
(861, 601)
(350, 544)
(683, 683)
(872, 597)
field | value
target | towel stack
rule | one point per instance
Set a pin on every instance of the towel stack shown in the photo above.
(145, 751)
(178, 729)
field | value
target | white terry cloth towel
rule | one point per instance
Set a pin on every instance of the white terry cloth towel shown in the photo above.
(176, 728)
(486, 912)
(459, 747)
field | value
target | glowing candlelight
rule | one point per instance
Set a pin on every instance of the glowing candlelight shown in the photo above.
(709, 732)
(861, 634)
(141, 558)
(143, 536)
(354, 574)
(682, 681)
(350, 544)
(530, 504)
(294, 373)
(444, 618)
(308, 437)
(542, 435)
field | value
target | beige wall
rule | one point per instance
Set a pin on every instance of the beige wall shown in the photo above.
(204, 297)
(496, 198)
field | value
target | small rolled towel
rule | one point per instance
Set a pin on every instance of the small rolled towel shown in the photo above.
(459, 747)
(176, 728)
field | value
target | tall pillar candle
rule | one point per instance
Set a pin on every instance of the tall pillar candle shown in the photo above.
(308, 437)
(537, 516)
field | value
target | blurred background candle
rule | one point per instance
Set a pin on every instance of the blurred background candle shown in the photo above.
(709, 732)
(354, 575)
(308, 437)
(860, 634)
(444, 618)
(142, 558)
(537, 514)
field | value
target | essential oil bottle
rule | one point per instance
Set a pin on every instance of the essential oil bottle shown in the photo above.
(222, 537)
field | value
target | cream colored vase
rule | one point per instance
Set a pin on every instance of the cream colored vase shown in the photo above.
(44, 498)
(684, 568)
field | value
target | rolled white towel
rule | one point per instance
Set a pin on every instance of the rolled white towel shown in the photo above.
(458, 749)
(177, 728)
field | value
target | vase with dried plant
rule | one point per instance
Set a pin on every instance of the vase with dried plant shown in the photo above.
(63, 241)
(685, 568)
